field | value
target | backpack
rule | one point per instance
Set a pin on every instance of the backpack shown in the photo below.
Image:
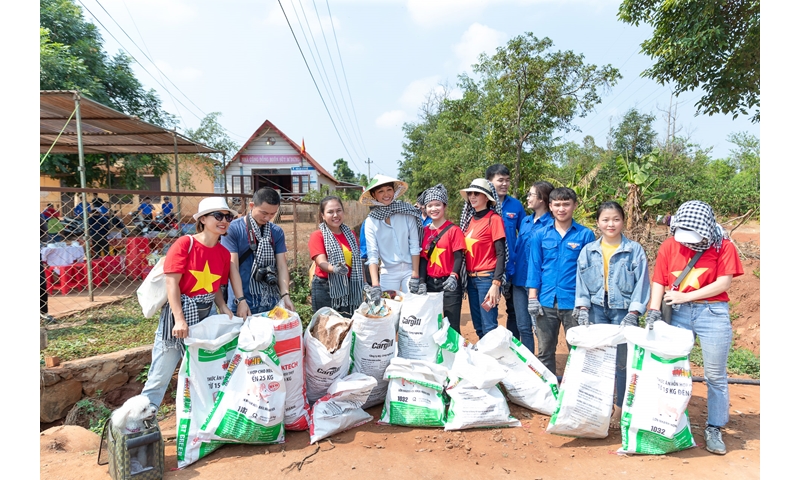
(152, 293)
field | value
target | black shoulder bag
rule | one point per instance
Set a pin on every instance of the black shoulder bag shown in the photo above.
(435, 239)
(666, 310)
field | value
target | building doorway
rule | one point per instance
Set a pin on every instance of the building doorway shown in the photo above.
(278, 178)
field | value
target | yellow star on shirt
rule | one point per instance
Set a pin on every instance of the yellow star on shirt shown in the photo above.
(435, 260)
(348, 255)
(691, 279)
(470, 242)
(205, 279)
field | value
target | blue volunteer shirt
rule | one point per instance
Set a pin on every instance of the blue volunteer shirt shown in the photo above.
(166, 208)
(522, 250)
(146, 209)
(236, 242)
(513, 213)
(362, 242)
(553, 263)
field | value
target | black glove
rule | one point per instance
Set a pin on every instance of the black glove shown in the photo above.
(631, 319)
(340, 269)
(413, 285)
(451, 284)
(652, 317)
(581, 315)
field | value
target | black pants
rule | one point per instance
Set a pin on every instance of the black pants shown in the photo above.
(452, 301)
(321, 297)
(511, 316)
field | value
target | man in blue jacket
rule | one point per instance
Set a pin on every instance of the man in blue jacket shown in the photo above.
(513, 213)
(552, 271)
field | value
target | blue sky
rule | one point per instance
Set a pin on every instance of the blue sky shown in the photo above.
(239, 58)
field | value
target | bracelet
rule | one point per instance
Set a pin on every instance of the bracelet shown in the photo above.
(496, 283)
(287, 293)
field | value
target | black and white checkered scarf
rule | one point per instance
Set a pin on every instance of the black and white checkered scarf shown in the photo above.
(263, 295)
(436, 192)
(382, 212)
(342, 294)
(698, 217)
(466, 216)
(190, 313)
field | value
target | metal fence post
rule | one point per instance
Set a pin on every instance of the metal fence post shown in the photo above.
(87, 245)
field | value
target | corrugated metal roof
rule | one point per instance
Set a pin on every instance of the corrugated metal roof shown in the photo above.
(103, 129)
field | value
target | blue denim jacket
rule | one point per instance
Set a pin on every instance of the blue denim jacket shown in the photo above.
(628, 278)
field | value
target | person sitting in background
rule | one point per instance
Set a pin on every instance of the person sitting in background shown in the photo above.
(166, 210)
(78, 210)
(50, 212)
(146, 209)
(99, 228)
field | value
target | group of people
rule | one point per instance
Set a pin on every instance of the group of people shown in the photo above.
(551, 271)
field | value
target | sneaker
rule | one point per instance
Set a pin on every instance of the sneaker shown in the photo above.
(714, 443)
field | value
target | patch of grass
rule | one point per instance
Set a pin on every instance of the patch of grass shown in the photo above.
(300, 294)
(142, 376)
(757, 273)
(97, 413)
(741, 361)
(110, 329)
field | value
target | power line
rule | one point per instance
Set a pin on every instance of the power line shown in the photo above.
(314, 80)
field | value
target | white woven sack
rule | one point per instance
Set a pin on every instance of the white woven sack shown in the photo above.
(374, 346)
(321, 366)
(420, 318)
(152, 293)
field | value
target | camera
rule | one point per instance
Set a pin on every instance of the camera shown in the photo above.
(266, 275)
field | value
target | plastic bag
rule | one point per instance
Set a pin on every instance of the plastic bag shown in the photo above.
(289, 347)
(414, 397)
(323, 366)
(586, 395)
(373, 347)
(420, 318)
(341, 408)
(251, 401)
(209, 349)
(528, 382)
(449, 342)
(655, 414)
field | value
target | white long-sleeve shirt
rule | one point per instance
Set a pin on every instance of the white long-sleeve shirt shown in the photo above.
(393, 244)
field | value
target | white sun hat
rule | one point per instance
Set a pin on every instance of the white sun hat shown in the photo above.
(480, 185)
(212, 204)
(399, 188)
(683, 235)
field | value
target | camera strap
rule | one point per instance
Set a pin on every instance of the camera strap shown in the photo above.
(251, 240)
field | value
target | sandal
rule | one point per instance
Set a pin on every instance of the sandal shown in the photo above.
(616, 414)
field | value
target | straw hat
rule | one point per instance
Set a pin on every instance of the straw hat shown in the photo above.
(212, 204)
(480, 185)
(399, 188)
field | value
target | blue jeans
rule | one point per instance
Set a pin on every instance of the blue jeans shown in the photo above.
(613, 316)
(710, 322)
(483, 321)
(524, 323)
(547, 329)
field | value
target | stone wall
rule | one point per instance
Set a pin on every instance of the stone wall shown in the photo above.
(61, 387)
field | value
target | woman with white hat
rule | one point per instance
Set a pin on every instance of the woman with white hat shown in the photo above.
(195, 267)
(486, 253)
(392, 233)
(700, 302)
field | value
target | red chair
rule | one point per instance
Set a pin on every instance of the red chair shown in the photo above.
(99, 272)
(72, 277)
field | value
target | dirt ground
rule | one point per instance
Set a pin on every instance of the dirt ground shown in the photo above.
(69, 452)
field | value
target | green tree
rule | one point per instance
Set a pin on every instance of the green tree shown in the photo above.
(342, 171)
(212, 134)
(633, 137)
(532, 92)
(714, 45)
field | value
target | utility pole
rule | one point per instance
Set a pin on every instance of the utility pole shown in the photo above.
(369, 175)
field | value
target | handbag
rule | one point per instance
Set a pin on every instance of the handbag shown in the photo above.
(152, 293)
(666, 310)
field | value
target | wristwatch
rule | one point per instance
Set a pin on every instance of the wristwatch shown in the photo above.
(237, 301)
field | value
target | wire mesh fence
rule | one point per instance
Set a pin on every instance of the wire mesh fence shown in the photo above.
(90, 260)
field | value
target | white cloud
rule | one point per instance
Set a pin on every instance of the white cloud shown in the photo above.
(476, 40)
(435, 12)
(393, 118)
(416, 92)
(185, 74)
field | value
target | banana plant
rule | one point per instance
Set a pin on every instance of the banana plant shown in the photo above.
(640, 180)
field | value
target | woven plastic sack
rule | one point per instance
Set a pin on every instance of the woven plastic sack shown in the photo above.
(251, 401)
(209, 349)
(449, 342)
(528, 382)
(341, 408)
(586, 394)
(655, 414)
(152, 293)
(420, 318)
(373, 347)
(414, 397)
(323, 366)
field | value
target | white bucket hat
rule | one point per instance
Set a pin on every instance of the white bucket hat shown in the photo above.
(212, 204)
(399, 188)
(480, 185)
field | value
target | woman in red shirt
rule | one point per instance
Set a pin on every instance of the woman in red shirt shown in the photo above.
(486, 253)
(338, 274)
(195, 267)
(442, 255)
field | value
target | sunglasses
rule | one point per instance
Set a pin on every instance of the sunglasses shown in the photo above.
(219, 216)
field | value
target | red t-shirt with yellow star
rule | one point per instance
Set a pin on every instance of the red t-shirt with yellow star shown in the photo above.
(673, 257)
(203, 270)
(481, 235)
(440, 263)
(316, 246)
